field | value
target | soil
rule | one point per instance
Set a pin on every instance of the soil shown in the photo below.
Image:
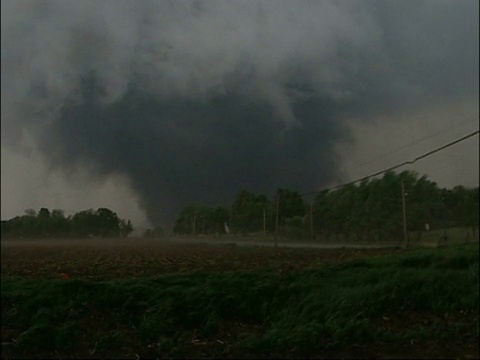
(113, 258)
(102, 259)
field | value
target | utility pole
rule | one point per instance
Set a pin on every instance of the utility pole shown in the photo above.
(405, 237)
(264, 221)
(311, 221)
(276, 217)
(194, 222)
(445, 209)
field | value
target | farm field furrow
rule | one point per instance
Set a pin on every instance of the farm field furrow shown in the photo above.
(106, 259)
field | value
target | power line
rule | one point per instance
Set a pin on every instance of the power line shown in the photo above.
(416, 142)
(409, 162)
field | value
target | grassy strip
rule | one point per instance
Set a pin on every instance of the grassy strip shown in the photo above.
(421, 296)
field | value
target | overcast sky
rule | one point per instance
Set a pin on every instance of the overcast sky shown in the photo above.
(146, 107)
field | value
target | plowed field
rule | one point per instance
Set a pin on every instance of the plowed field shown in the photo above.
(113, 258)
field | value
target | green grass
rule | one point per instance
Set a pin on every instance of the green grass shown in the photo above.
(422, 295)
(455, 235)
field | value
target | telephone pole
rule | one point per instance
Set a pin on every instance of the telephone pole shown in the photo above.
(277, 198)
(264, 222)
(194, 222)
(405, 236)
(311, 221)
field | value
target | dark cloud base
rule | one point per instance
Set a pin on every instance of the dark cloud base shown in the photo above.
(179, 151)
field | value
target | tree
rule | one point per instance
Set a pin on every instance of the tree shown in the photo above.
(30, 212)
(44, 213)
(360, 216)
(291, 213)
(220, 218)
(85, 223)
(187, 220)
(247, 212)
(102, 222)
(471, 206)
(291, 205)
(321, 214)
(201, 220)
(424, 204)
(108, 222)
(60, 225)
(43, 222)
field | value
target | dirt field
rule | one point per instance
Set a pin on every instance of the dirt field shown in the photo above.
(102, 259)
(113, 258)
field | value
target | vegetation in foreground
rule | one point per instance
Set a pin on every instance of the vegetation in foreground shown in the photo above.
(421, 303)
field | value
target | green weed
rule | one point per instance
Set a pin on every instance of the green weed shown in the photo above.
(322, 307)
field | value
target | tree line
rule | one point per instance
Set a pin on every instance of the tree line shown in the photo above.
(369, 210)
(45, 223)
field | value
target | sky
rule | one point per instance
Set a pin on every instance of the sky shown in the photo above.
(147, 107)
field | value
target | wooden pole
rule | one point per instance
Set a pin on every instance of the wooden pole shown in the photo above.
(194, 222)
(264, 221)
(311, 221)
(405, 237)
(276, 218)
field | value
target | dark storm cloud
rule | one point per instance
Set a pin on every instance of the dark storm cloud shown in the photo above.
(195, 100)
(180, 150)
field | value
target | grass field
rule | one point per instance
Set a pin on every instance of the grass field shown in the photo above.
(453, 236)
(219, 301)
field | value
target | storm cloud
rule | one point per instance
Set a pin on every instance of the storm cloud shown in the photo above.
(195, 100)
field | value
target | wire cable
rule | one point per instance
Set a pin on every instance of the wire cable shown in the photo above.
(416, 142)
(409, 162)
